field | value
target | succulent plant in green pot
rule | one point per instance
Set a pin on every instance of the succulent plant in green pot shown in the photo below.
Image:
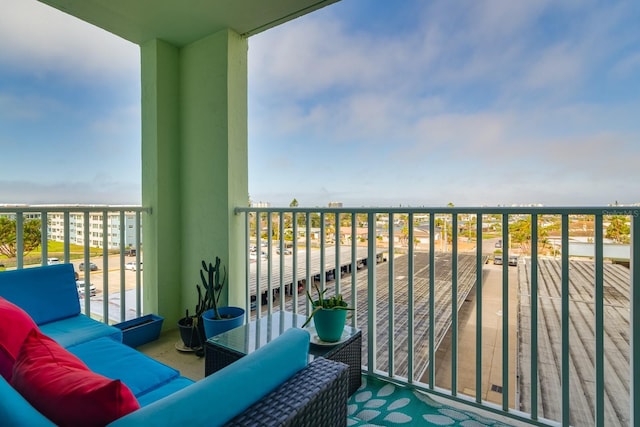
(329, 315)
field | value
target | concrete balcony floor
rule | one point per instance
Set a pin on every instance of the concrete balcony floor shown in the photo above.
(164, 350)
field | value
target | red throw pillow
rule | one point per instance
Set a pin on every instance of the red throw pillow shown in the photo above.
(15, 325)
(63, 389)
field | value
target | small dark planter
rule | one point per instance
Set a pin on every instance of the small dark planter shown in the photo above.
(191, 336)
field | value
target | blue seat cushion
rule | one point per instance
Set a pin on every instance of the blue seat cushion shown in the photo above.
(116, 360)
(78, 329)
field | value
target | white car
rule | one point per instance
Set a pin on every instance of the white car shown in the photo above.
(81, 288)
(132, 266)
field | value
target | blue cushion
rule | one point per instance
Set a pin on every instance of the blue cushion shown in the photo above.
(16, 411)
(116, 360)
(78, 329)
(229, 391)
(46, 293)
(164, 390)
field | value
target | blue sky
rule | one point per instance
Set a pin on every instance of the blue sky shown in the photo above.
(368, 103)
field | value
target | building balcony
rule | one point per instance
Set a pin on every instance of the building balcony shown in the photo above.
(545, 337)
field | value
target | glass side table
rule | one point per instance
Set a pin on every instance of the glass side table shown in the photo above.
(230, 346)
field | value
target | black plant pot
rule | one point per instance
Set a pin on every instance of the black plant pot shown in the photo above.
(190, 335)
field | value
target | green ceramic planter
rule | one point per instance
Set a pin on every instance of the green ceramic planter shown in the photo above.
(329, 324)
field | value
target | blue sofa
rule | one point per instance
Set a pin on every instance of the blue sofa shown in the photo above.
(243, 389)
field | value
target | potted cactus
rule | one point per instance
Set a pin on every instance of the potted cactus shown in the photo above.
(329, 315)
(216, 319)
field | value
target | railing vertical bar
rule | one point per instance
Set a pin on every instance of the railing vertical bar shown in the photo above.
(137, 225)
(323, 274)
(533, 348)
(634, 297)
(454, 304)
(283, 291)
(371, 296)
(294, 262)
(505, 312)
(338, 264)
(565, 320)
(105, 269)
(247, 268)
(410, 299)
(354, 269)
(479, 267)
(44, 237)
(308, 259)
(258, 265)
(122, 272)
(67, 238)
(87, 269)
(269, 261)
(432, 298)
(19, 240)
(391, 298)
(599, 307)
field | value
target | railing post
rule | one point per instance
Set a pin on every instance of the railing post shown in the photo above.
(19, 240)
(634, 299)
(564, 361)
(505, 312)
(44, 239)
(372, 290)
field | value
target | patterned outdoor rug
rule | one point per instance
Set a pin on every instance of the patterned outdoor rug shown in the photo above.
(377, 403)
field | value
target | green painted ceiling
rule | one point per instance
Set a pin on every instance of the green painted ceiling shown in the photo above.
(181, 22)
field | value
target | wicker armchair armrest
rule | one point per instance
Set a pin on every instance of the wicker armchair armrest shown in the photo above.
(315, 396)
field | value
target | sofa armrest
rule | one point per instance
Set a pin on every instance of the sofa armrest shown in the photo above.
(218, 398)
(315, 396)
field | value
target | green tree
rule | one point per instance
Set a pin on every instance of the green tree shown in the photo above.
(31, 236)
(521, 233)
(618, 230)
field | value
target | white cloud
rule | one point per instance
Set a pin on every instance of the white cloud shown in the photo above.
(36, 38)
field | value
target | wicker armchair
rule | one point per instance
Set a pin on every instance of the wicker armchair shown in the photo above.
(315, 396)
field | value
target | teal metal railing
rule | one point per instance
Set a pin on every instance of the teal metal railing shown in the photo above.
(102, 232)
(410, 302)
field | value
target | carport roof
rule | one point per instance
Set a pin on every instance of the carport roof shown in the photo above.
(181, 22)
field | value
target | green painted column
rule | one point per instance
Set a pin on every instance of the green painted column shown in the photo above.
(160, 181)
(214, 165)
(194, 167)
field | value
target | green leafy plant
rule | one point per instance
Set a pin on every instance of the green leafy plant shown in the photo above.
(213, 278)
(335, 302)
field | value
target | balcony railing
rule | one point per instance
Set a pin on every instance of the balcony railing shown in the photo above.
(548, 336)
(549, 340)
(108, 237)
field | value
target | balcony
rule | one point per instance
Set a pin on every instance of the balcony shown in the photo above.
(543, 338)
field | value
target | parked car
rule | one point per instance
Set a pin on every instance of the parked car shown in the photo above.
(497, 259)
(498, 244)
(132, 266)
(92, 266)
(53, 261)
(513, 259)
(81, 288)
(285, 251)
